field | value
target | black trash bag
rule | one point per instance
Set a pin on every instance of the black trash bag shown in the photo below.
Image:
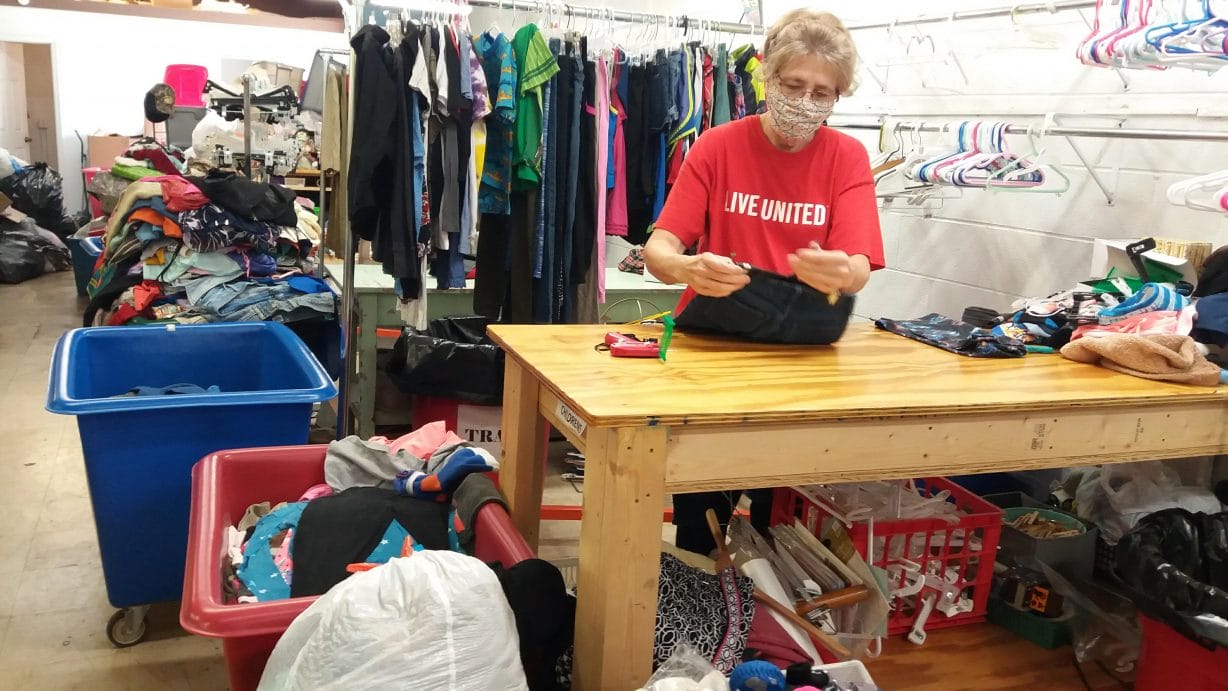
(25, 253)
(19, 261)
(453, 359)
(1176, 564)
(38, 191)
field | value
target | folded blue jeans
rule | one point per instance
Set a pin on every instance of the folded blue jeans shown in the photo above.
(770, 309)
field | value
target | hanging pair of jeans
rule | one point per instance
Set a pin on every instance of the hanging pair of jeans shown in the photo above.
(770, 309)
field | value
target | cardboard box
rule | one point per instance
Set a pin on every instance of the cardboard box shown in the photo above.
(1111, 254)
(102, 149)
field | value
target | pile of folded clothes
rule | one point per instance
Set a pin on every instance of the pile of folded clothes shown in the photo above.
(216, 248)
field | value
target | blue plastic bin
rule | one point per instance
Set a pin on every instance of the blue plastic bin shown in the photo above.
(84, 255)
(139, 451)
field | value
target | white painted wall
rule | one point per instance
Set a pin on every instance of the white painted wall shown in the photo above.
(990, 248)
(105, 63)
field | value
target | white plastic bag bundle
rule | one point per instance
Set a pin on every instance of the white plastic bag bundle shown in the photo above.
(1117, 496)
(434, 620)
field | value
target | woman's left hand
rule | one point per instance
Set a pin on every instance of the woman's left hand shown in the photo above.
(827, 271)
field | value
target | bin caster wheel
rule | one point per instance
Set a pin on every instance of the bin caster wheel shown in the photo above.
(126, 629)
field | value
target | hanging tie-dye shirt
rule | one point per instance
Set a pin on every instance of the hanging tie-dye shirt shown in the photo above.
(499, 64)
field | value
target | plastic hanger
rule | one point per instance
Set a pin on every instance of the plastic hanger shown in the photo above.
(1200, 46)
(1030, 170)
(1182, 193)
(493, 30)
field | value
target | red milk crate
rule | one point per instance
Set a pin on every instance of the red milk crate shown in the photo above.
(968, 546)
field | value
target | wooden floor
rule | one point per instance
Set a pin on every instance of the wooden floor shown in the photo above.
(977, 657)
(969, 658)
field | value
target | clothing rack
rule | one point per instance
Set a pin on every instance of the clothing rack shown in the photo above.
(685, 22)
(1067, 133)
(1059, 130)
(1011, 11)
(324, 176)
(354, 12)
(590, 12)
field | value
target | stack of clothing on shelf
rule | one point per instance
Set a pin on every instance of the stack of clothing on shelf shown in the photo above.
(205, 249)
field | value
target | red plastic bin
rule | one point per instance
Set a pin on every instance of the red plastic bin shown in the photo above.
(1169, 660)
(224, 484)
(978, 529)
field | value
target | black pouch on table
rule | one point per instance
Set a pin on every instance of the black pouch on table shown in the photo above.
(771, 309)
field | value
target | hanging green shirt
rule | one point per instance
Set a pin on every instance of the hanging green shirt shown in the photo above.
(536, 65)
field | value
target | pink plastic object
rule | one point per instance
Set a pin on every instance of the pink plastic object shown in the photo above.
(224, 484)
(188, 81)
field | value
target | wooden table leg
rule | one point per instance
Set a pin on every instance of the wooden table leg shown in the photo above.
(522, 468)
(620, 553)
(363, 389)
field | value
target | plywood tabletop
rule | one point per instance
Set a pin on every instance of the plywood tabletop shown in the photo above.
(869, 373)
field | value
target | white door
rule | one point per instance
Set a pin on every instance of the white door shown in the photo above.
(14, 126)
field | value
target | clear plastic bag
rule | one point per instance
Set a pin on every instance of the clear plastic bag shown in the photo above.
(686, 670)
(1116, 496)
(1107, 631)
(435, 620)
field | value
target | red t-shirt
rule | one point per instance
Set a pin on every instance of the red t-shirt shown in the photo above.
(740, 196)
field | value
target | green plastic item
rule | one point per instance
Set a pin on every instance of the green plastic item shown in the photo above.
(1047, 633)
(1159, 273)
(1064, 519)
(1162, 273)
(667, 336)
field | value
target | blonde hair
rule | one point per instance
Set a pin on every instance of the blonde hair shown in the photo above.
(806, 32)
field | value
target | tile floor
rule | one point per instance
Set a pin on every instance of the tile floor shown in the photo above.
(53, 616)
(54, 609)
(54, 613)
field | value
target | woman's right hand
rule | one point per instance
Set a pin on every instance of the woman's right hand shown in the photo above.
(713, 275)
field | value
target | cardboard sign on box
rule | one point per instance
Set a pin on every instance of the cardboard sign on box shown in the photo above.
(102, 149)
(482, 426)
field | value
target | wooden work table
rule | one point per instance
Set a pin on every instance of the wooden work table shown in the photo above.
(726, 415)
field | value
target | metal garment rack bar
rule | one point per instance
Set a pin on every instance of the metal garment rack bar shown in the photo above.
(1057, 130)
(590, 12)
(986, 13)
(1067, 133)
(325, 176)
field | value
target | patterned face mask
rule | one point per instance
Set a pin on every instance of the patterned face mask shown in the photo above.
(797, 117)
